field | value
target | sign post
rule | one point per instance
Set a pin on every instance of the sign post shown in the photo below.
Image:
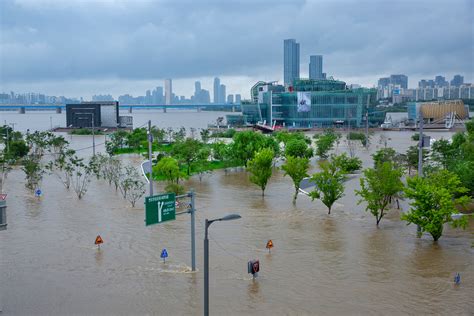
(162, 208)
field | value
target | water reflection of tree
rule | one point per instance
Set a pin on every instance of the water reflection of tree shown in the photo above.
(329, 248)
(381, 255)
(330, 238)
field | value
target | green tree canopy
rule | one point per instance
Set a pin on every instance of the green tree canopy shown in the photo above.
(168, 168)
(137, 138)
(260, 168)
(325, 142)
(345, 163)
(390, 155)
(412, 157)
(285, 136)
(329, 184)
(434, 199)
(298, 148)
(187, 151)
(246, 144)
(297, 169)
(378, 187)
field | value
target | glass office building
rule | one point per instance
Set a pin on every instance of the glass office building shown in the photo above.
(314, 103)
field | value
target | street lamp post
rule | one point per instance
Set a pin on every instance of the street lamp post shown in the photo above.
(206, 257)
(93, 136)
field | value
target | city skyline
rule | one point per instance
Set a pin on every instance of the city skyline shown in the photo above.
(38, 54)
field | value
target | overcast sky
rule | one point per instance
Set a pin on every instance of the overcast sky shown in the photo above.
(84, 47)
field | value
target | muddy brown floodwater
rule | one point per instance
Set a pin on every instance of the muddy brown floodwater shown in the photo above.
(338, 264)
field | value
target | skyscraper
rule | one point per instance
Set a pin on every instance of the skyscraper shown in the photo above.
(316, 67)
(291, 61)
(217, 86)
(230, 98)
(148, 99)
(238, 97)
(197, 87)
(384, 82)
(401, 80)
(222, 94)
(168, 91)
(197, 91)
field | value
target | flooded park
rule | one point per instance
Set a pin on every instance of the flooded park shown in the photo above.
(337, 264)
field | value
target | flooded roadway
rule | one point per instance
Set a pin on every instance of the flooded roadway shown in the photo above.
(338, 264)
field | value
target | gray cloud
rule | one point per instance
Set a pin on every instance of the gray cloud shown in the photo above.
(47, 40)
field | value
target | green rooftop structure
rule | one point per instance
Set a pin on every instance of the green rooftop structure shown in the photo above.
(312, 103)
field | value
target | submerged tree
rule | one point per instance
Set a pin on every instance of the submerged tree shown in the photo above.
(297, 169)
(325, 142)
(187, 152)
(246, 144)
(434, 202)
(345, 163)
(63, 167)
(298, 148)
(81, 177)
(260, 168)
(329, 184)
(378, 187)
(131, 185)
(34, 171)
(175, 188)
(168, 168)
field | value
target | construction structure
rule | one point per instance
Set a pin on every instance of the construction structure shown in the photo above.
(439, 114)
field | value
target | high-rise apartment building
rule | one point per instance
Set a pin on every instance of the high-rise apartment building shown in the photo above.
(291, 61)
(157, 95)
(383, 82)
(238, 98)
(457, 81)
(230, 98)
(316, 67)
(440, 81)
(168, 91)
(217, 86)
(400, 80)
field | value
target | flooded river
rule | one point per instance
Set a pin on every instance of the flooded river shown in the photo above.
(338, 264)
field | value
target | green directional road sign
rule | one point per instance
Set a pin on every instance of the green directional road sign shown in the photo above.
(160, 208)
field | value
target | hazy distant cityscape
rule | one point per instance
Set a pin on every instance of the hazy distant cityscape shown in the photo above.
(393, 89)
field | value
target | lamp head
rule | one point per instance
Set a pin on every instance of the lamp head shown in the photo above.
(230, 217)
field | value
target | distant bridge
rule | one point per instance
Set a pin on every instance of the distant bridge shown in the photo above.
(22, 108)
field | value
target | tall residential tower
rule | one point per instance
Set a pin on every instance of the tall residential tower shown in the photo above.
(217, 87)
(316, 67)
(168, 91)
(291, 61)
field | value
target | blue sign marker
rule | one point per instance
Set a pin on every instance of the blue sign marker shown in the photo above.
(164, 254)
(38, 192)
(457, 279)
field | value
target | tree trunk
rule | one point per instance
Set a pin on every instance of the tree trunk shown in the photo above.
(295, 196)
(379, 218)
(329, 210)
